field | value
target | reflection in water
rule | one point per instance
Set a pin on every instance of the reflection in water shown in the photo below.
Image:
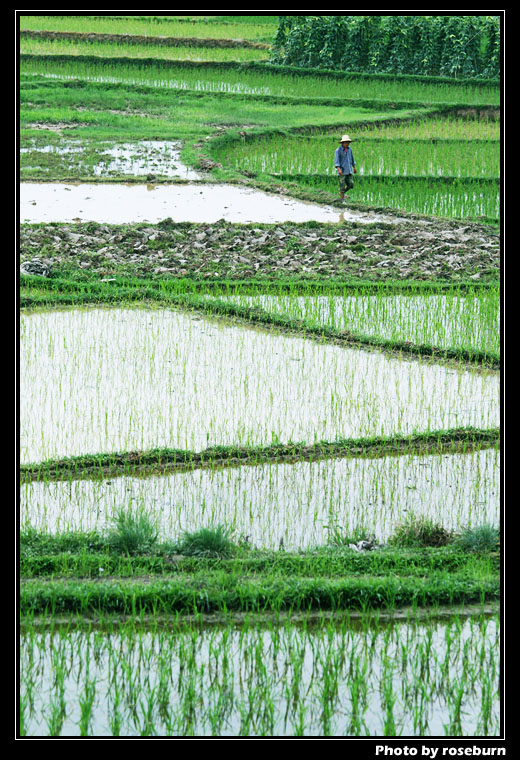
(117, 203)
(422, 679)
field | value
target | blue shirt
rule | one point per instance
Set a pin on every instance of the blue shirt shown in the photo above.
(344, 159)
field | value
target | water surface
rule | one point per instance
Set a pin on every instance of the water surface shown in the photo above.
(302, 504)
(117, 203)
(434, 679)
(98, 380)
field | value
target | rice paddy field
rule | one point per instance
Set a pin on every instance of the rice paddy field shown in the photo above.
(259, 458)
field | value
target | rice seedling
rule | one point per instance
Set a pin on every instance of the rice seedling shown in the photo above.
(459, 199)
(390, 161)
(251, 82)
(128, 381)
(385, 156)
(116, 49)
(156, 26)
(436, 129)
(456, 320)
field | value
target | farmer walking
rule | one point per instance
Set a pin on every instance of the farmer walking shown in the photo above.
(346, 166)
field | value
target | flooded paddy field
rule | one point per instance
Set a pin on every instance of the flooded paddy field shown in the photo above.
(101, 380)
(334, 679)
(286, 628)
(299, 505)
(454, 321)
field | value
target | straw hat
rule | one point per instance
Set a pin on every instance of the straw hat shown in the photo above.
(345, 138)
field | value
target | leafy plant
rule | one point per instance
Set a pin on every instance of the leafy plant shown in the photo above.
(479, 539)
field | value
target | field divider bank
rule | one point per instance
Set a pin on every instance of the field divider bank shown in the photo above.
(220, 591)
(139, 39)
(164, 459)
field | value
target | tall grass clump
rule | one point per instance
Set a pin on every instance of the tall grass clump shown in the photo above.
(479, 538)
(132, 533)
(208, 542)
(418, 531)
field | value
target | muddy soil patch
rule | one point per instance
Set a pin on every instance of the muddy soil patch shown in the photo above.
(443, 250)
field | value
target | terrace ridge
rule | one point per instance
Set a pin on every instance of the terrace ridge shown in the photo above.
(140, 39)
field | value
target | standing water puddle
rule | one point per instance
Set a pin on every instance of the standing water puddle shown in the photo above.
(160, 157)
(103, 380)
(126, 204)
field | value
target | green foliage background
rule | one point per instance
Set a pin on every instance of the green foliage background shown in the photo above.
(455, 46)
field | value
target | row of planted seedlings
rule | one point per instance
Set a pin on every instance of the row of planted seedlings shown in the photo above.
(445, 166)
(458, 320)
(114, 49)
(147, 358)
(263, 79)
(436, 678)
(228, 28)
(133, 379)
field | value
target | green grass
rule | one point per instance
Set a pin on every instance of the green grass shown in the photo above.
(234, 28)
(207, 542)
(210, 573)
(132, 533)
(127, 462)
(421, 531)
(481, 538)
(88, 107)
